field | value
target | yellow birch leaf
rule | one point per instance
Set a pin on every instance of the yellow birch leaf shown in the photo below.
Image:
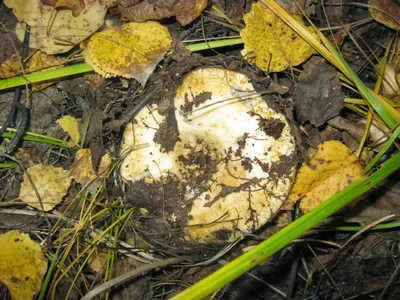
(331, 169)
(71, 127)
(51, 183)
(22, 265)
(269, 43)
(132, 50)
(82, 168)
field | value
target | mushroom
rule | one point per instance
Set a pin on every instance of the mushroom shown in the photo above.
(228, 154)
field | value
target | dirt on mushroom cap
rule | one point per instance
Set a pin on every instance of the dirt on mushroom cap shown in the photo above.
(214, 164)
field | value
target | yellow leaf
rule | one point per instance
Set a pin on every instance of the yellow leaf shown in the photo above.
(51, 183)
(132, 50)
(55, 31)
(71, 127)
(22, 265)
(82, 168)
(271, 44)
(331, 169)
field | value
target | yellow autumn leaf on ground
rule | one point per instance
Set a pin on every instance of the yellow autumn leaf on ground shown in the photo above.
(131, 51)
(269, 43)
(22, 265)
(39, 61)
(82, 168)
(71, 127)
(51, 183)
(331, 169)
(386, 12)
(56, 31)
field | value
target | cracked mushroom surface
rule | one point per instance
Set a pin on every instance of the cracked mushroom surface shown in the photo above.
(212, 164)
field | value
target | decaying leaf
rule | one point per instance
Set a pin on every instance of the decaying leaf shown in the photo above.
(390, 83)
(184, 10)
(98, 261)
(75, 6)
(271, 44)
(51, 183)
(71, 126)
(39, 61)
(318, 95)
(132, 50)
(82, 167)
(331, 169)
(56, 31)
(386, 12)
(22, 265)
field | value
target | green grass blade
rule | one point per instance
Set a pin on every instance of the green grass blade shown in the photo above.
(383, 226)
(249, 260)
(32, 137)
(44, 76)
(214, 44)
(7, 165)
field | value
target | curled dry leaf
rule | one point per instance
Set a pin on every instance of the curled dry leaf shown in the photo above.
(331, 169)
(184, 10)
(132, 50)
(269, 43)
(22, 265)
(223, 167)
(55, 31)
(386, 12)
(51, 183)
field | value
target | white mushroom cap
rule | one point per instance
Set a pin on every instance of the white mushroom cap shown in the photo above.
(234, 155)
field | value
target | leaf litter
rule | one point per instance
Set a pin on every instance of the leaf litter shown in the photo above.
(86, 193)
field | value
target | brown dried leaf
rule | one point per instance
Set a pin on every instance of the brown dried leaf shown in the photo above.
(386, 12)
(184, 10)
(318, 96)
